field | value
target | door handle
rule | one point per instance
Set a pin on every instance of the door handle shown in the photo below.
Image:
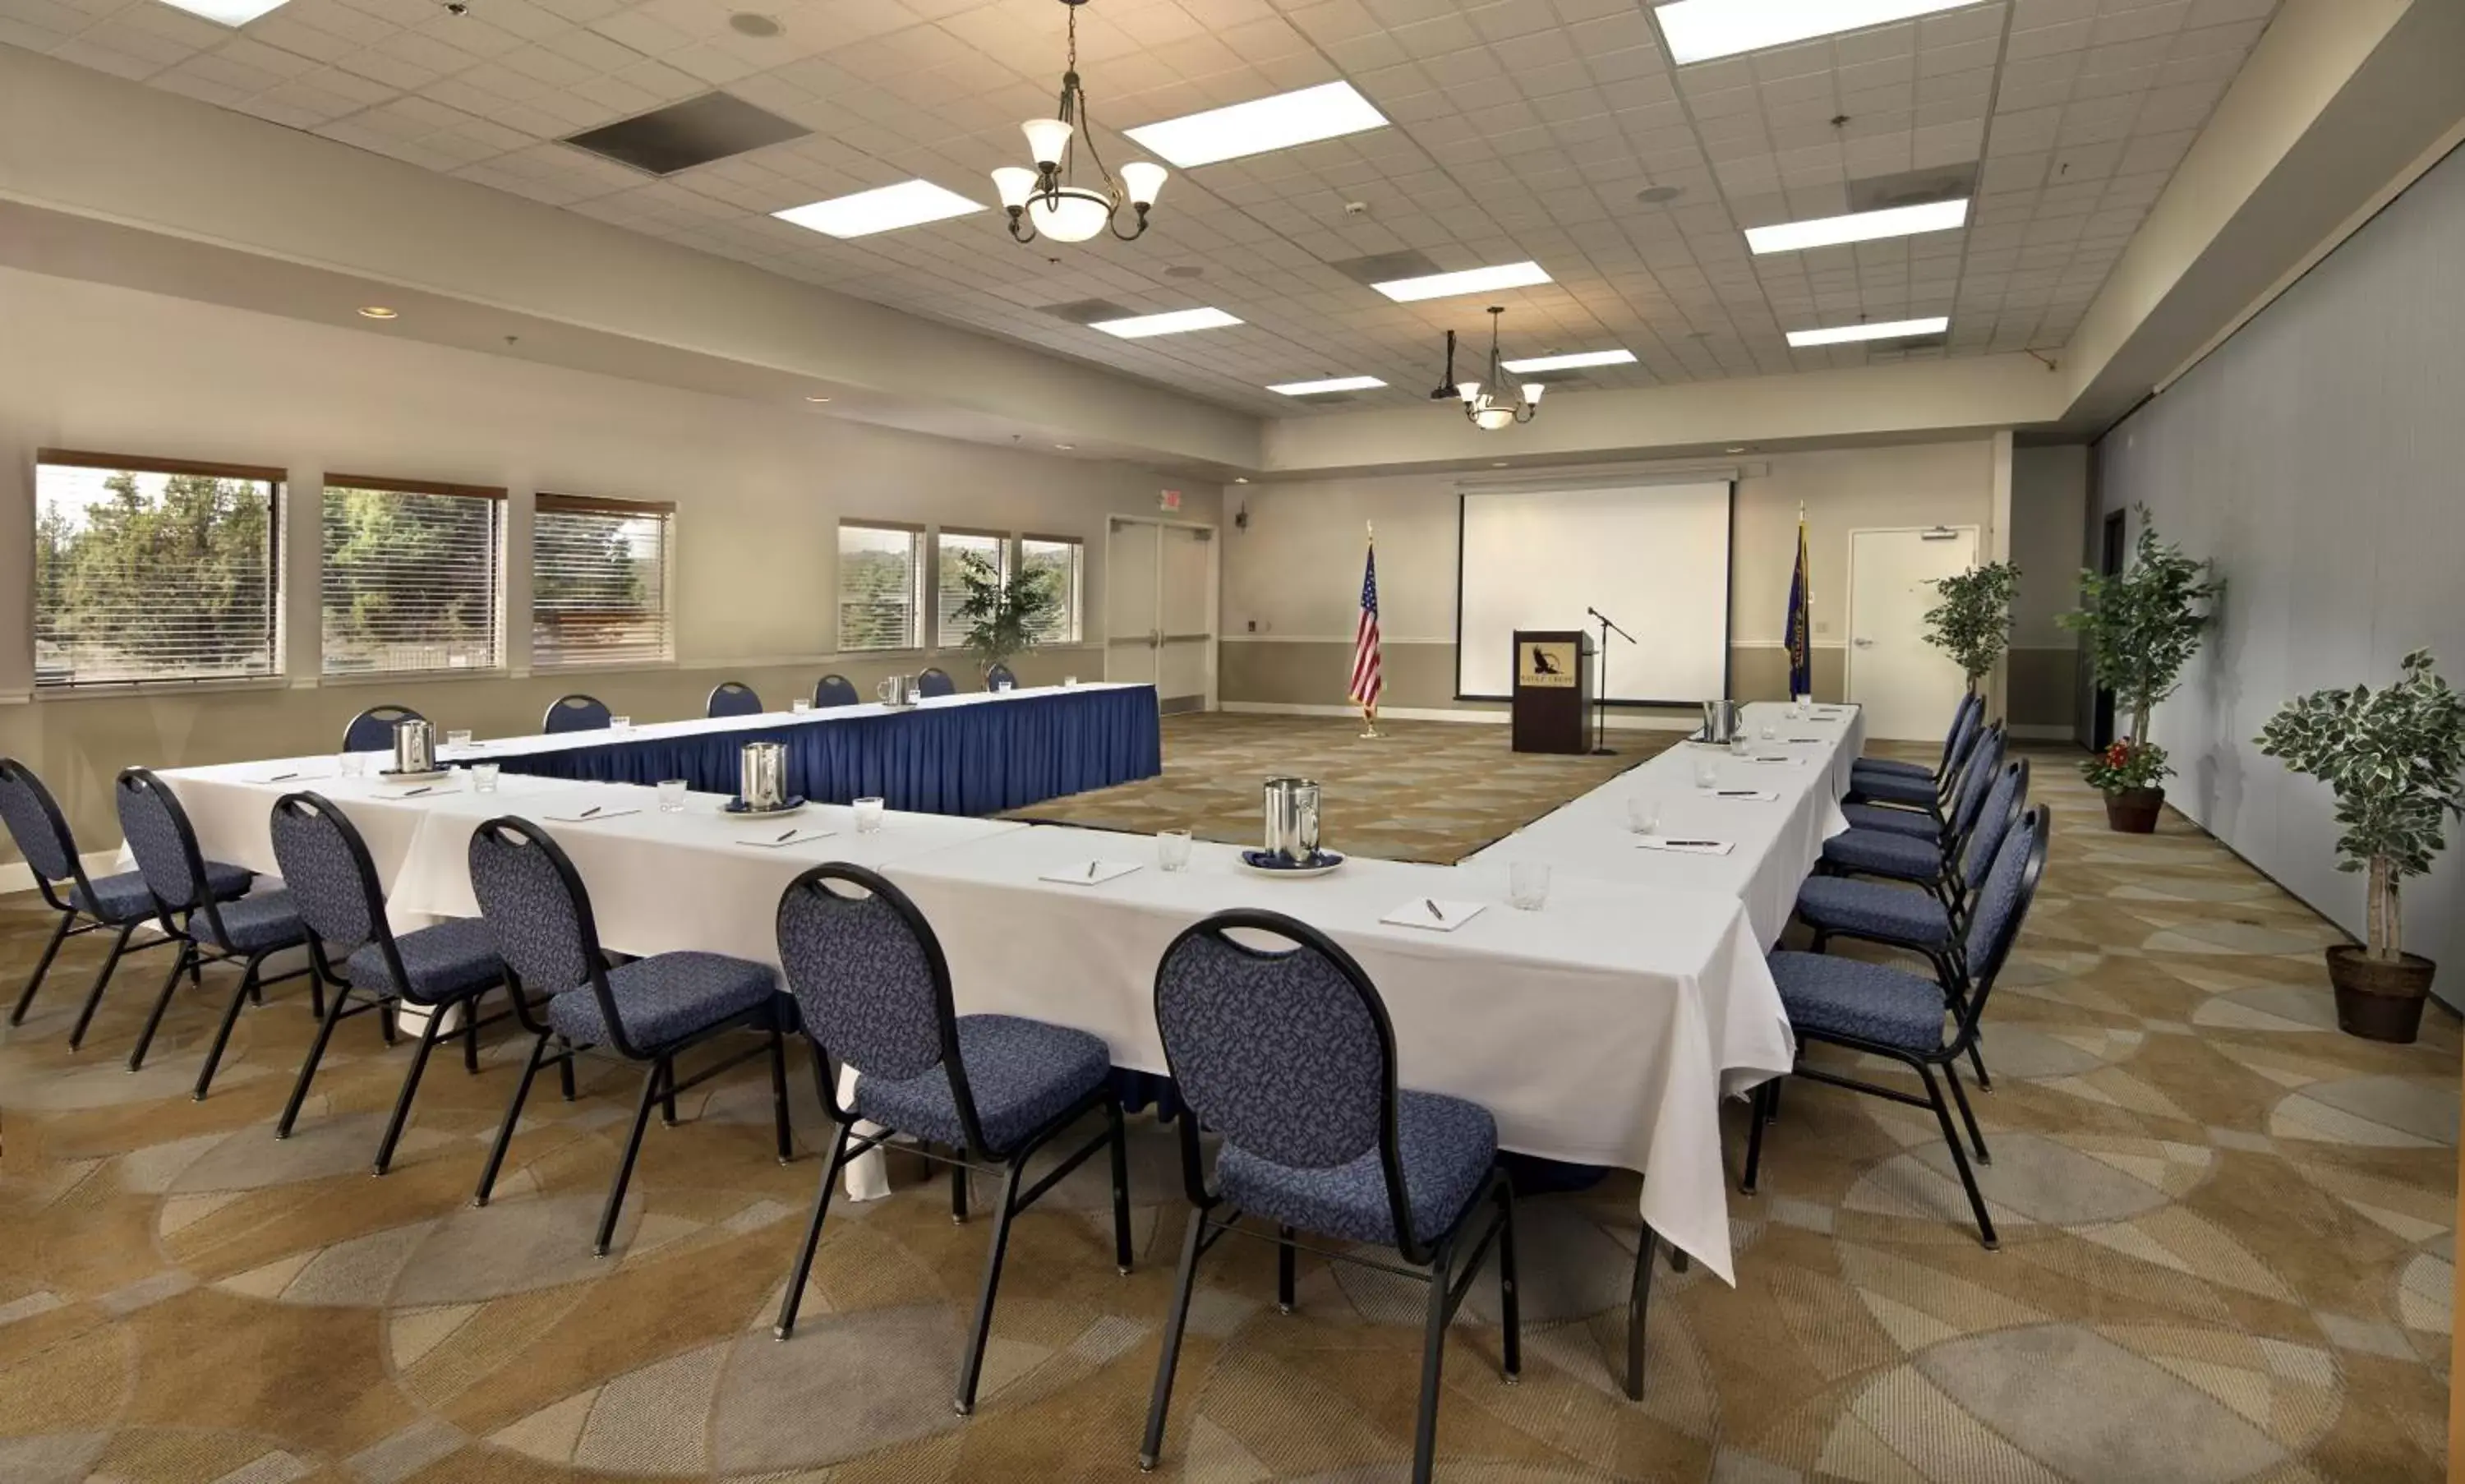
(1863, 644)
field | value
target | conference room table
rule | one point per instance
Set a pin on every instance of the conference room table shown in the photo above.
(977, 752)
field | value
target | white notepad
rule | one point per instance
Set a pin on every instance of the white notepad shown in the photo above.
(1447, 916)
(798, 837)
(1685, 846)
(1090, 873)
(589, 819)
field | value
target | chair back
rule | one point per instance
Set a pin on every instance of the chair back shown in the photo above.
(834, 690)
(1964, 719)
(35, 823)
(932, 681)
(732, 698)
(2002, 805)
(2003, 908)
(333, 881)
(574, 714)
(1976, 777)
(995, 675)
(372, 729)
(159, 836)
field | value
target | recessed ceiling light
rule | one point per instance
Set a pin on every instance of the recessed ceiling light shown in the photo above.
(1329, 384)
(907, 203)
(1470, 280)
(1260, 125)
(818, 399)
(1737, 448)
(1500, 464)
(1701, 29)
(226, 13)
(1173, 322)
(1900, 221)
(752, 23)
(1240, 479)
(377, 312)
(1841, 335)
(1570, 360)
(1655, 195)
(1065, 447)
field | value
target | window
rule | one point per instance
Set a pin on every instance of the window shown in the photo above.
(882, 586)
(153, 570)
(954, 551)
(409, 576)
(1065, 558)
(599, 582)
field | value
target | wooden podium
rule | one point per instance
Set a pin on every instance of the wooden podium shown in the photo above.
(1553, 691)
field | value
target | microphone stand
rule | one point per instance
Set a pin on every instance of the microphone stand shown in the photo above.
(1600, 747)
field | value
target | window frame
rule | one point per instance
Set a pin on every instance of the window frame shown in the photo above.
(1077, 597)
(1007, 541)
(498, 578)
(920, 620)
(545, 503)
(278, 595)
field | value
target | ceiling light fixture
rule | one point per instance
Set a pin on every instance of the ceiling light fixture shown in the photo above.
(226, 13)
(1499, 405)
(885, 208)
(1900, 221)
(1470, 280)
(1329, 384)
(1175, 321)
(378, 312)
(818, 399)
(1253, 128)
(1573, 360)
(1701, 29)
(1845, 334)
(1047, 201)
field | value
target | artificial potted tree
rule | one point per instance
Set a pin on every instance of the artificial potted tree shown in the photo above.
(2142, 627)
(1972, 621)
(2392, 758)
(1004, 616)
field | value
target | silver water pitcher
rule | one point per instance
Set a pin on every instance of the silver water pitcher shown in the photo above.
(1290, 805)
(1721, 722)
(761, 775)
(414, 746)
(892, 692)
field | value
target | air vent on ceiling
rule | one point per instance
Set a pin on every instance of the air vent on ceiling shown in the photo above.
(680, 136)
(1088, 311)
(1913, 187)
(1385, 267)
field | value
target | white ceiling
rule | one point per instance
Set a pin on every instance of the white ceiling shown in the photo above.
(1521, 129)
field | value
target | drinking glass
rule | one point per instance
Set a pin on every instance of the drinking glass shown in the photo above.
(672, 795)
(1771, 731)
(800, 705)
(354, 764)
(1643, 813)
(1793, 711)
(484, 777)
(1172, 849)
(1070, 679)
(1740, 745)
(1528, 884)
(868, 815)
(1707, 774)
(1001, 685)
(1804, 701)
(620, 723)
(458, 738)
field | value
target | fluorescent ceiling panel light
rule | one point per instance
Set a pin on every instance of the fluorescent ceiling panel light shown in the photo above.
(1701, 29)
(1178, 321)
(226, 13)
(1900, 221)
(1470, 280)
(1841, 335)
(1261, 124)
(1570, 361)
(906, 204)
(1330, 383)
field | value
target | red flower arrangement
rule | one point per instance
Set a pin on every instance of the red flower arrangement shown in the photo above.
(2126, 764)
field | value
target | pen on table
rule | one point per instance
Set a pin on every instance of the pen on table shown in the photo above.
(1736, 793)
(413, 793)
(790, 835)
(280, 777)
(1692, 842)
(1091, 869)
(587, 814)
(1433, 909)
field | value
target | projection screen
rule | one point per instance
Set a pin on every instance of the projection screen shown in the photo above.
(1653, 557)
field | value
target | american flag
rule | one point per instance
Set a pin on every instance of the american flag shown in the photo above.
(1366, 680)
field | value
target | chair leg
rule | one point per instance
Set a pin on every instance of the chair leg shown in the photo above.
(1976, 1140)
(162, 1002)
(1152, 1447)
(308, 1065)
(43, 966)
(1120, 1186)
(94, 995)
(965, 1401)
(1434, 1354)
(654, 1082)
(1510, 1304)
(386, 1026)
(1756, 1118)
(564, 1071)
(471, 1036)
(252, 987)
(804, 1264)
(1960, 1162)
(1284, 1270)
(1638, 1304)
(667, 1092)
(1985, 1084)
(779, 1096)
(505, 1130)
(959, 1193)
(316, 993)
(409, 1088)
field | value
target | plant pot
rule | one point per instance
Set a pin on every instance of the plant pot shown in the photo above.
(2377, 1000)
(2133, 810)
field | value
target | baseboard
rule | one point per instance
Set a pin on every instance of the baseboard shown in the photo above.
(2035, 732)
(1279, 708)
(18, 877)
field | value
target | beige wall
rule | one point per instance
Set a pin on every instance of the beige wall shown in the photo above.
(2049, 511)
(1295, 572)
(759, 492)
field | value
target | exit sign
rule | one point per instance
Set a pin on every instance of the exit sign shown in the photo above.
(1169, 499)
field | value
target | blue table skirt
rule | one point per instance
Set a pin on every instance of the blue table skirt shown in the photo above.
(978, 759)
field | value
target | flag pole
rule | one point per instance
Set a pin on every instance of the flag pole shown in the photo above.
(1369, 709)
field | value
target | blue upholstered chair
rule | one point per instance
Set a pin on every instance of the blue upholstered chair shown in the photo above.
(333, 883)
(372, 729)
(85, 904)
(933, 682)
(732, 698)
(998, 675)
(574, 714)
(1928, 822)
(1879, 1010)
(872, 988)
(646, 1010)
(834, 690)
(1911, 784)
(1287, 1052)
(1865, 850)
(211, 929)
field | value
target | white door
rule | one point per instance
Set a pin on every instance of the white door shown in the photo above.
(1133, 616)
(1908, 687)
(1160, 611)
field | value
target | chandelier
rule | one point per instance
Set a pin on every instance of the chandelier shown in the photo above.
(1048, 201)
(1495, 404)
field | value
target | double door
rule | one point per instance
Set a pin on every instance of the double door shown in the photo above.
(1160, 610)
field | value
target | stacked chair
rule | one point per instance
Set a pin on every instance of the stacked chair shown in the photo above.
(1914, 785)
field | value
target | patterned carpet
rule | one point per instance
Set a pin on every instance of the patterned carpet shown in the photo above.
(2227, 1256)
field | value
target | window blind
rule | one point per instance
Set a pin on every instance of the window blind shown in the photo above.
(599, 582)
(409, 576)
(1065, 560)
(952, 551)
(882, 586)
(151, 570)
